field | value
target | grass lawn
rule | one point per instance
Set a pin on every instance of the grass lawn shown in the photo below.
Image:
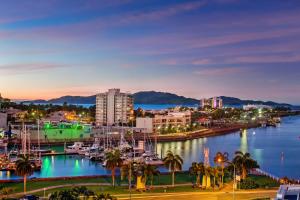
(33, 185)
(264, 182)
(121, 188)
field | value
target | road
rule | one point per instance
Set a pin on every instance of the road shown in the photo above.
(243, 195)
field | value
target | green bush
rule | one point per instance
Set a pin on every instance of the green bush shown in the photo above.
(248, 184)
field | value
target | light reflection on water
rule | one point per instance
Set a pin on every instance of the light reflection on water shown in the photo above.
(267, 146)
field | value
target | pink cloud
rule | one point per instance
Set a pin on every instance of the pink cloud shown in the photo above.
(163, 13)
(29, 67)
(219, 71)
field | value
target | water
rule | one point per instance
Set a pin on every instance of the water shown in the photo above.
(265, 145)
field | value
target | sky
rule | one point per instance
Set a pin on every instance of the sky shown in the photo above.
(242, 48)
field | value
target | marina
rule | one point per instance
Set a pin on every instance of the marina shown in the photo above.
(265, 144)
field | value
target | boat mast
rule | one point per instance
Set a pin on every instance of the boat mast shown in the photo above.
(39, 143)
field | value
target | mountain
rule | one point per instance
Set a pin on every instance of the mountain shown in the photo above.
(68, 99)
(237, 101)
(147, 97)
(152, 97)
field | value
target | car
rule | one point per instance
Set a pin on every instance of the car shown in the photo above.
(30, 197)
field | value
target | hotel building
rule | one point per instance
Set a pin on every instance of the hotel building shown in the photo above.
(113, 107)
(215, 102)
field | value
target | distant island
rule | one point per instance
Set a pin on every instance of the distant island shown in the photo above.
(153, 97)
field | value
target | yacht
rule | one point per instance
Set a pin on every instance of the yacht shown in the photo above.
(75, 148)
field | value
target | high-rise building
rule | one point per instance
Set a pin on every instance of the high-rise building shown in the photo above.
(113, 107)
(215, 102)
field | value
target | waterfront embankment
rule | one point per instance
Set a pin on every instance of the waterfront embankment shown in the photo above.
(201, 133)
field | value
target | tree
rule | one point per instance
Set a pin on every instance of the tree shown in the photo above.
(83, 191)
(24, 168)
(244, 163)
(197, 169)
(207, 173)
(215, 172)
(113, 161)
(173, 163)
(150, 171)
(221, 159)
(64, 195)
(127, 171)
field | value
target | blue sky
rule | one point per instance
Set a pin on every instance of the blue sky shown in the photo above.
(248, 48)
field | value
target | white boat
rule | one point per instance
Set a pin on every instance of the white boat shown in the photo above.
(75, 148)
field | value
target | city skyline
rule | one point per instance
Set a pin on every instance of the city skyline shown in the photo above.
(244, 49)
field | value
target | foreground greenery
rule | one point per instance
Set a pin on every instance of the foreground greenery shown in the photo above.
(142, 177)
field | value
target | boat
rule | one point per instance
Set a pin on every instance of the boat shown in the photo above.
(75, 148)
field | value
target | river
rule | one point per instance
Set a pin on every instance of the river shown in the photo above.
(276, 150)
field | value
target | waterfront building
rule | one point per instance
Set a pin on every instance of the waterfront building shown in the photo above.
(215, 102)
(113, 107)
(173, 119)
(164, 121)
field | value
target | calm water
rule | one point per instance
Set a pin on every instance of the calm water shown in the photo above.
(265, 144)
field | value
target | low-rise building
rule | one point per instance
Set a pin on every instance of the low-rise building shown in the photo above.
(171, 119)
(174, 120)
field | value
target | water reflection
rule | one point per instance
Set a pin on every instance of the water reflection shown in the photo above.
(244, 141)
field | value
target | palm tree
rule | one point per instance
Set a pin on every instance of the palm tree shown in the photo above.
(150, 171)
(197, 169)
(244, 162)
(24, 168)
(113, 161)
(173, 163)
(83, 191)
(125, 172)
(215, 173)
(221, 159)
(207, 173)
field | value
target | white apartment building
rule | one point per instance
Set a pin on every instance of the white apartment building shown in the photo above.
(113, 107)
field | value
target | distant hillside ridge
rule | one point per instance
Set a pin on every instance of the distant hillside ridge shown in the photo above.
(237, 101)
(153, 97)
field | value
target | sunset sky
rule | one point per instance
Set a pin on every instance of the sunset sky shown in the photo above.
(248, 49)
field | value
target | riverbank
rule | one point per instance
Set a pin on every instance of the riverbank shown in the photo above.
(206, 132)
(198, 134)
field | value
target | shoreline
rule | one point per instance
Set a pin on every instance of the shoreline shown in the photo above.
(210, 132)
(200, 134)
